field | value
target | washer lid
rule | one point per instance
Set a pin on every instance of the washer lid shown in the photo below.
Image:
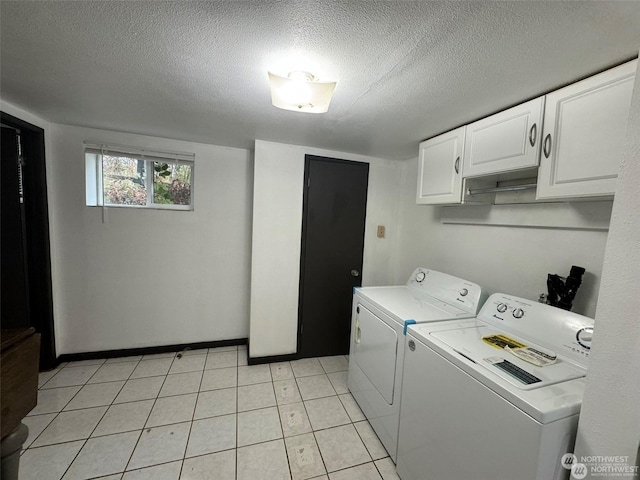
(545, 403)
(483, 345)
(406, 303)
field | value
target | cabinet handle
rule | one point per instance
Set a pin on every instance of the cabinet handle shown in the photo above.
(547, 146)
(457, 165)
(533, 133)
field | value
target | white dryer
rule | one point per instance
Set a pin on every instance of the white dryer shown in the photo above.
(380, 317)
(495, 398)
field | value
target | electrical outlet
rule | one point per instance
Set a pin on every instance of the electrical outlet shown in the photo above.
(380, 232)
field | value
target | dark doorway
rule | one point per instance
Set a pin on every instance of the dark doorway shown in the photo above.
(334, 210)
(25, 252)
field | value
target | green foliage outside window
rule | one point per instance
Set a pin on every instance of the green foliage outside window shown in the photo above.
(171, 183)
(125, 181)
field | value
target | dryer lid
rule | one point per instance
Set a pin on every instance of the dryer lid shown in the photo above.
(405, 303)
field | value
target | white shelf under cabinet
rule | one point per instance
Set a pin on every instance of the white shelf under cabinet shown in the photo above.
(440, 169)
(584, 129)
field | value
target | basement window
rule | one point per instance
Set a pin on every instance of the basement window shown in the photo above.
(119, 176)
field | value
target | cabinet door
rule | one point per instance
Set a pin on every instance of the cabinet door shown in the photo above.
(439, 168)
(584, 128)
(506, 141)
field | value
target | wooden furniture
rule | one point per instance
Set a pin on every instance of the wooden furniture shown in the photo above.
(19, 358)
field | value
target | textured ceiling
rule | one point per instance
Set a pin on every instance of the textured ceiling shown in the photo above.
(198, 70)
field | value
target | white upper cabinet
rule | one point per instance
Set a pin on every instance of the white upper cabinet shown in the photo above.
(440, 168)
(584, 129)
(504, 142)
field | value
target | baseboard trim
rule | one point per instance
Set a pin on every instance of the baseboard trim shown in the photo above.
(272, 359)
(129, 352)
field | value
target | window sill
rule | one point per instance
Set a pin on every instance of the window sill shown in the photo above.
(178, 208)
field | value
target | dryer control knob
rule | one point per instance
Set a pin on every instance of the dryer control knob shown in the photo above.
(420, 277)
(464, 292)
(518, 313)
(502, 307)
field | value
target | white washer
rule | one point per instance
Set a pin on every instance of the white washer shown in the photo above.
(377, 339)
(464, 416)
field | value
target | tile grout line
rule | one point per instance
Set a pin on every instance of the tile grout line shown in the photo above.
(56, 372)
(148, 415)
(284, 442)
(63, 368)
(81, 386)
(237, 413)
(193, 414)
(313, 432)
(202, 372)
(57, 414)
(166, 376)
(52, 420)
(98, 422)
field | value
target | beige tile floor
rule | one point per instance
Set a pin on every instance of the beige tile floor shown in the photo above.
(206, 415)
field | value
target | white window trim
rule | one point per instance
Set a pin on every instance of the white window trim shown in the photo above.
(94, 174)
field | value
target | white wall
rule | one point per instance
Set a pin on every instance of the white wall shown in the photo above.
(277, 228)
(513, 260)
(610, 417)
(149, 277)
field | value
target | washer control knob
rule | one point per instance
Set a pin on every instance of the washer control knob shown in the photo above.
(518, 313)
(412, 345)
(584, 337)
(420, 277)
(464, 292)
(502, 307)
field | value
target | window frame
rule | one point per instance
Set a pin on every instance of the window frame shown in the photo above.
(94, 174)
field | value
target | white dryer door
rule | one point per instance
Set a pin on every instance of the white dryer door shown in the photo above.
(374, 351)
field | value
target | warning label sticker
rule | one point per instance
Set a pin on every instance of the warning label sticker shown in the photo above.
(501, 341)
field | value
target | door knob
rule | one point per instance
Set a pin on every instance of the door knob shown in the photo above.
(355, 273)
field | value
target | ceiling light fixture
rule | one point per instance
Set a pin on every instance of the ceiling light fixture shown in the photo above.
(301, 92)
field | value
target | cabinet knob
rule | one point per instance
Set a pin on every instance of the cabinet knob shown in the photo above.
(547, 146)
(457, 165)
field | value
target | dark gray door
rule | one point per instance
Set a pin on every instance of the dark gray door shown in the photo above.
(14, 300)
(25, 257)
(334, 210)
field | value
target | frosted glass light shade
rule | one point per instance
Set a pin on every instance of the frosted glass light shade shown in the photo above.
(300, 92)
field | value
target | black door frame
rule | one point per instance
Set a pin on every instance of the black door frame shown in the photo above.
(38, 246)
(303, 244)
